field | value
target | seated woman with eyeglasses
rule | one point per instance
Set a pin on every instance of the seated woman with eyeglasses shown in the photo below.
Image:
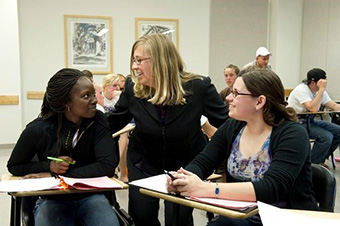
(267, 152)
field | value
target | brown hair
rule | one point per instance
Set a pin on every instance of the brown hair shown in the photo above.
(234, 67)
(266, 82)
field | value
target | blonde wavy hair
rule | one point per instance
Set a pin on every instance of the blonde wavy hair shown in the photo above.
(167, 70)
(109, 79)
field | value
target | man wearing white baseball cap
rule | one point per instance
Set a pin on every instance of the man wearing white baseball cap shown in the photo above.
(262, 59)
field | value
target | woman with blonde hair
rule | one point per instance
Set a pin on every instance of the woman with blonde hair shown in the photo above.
(111, 91)
(166, 103)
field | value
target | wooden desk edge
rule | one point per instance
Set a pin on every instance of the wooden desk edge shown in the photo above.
(318, 214)
(198, 205)
(124, 130)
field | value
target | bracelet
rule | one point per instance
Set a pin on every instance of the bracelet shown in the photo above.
(217, 191)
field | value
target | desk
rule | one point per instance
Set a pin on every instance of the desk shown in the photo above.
(124, 130)
(318, 214)
(198, 205)
(16, 197)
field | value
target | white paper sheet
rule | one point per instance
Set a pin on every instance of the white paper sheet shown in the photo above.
(29, 184)
(271, 215)
(155, 183)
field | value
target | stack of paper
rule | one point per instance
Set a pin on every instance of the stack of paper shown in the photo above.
(38, 184)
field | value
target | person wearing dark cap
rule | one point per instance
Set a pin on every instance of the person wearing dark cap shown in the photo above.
(309, 96)
(262, 59)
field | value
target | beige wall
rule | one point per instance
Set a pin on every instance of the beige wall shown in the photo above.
(320, 42)
(212, 33)
(42, 36)
(237, 29)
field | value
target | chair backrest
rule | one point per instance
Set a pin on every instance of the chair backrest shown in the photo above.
(324, 184)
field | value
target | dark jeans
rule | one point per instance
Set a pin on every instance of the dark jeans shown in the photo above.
(327, 139)
(144, 209)
(93, 210)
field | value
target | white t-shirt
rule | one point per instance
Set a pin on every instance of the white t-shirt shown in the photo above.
(302, 94)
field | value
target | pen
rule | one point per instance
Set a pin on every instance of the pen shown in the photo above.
(60, 160)
(170, 175)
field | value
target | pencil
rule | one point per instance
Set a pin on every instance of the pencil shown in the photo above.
(60, 160)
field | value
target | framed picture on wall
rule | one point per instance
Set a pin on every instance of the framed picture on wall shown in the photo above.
(88, 43)
(169, 27)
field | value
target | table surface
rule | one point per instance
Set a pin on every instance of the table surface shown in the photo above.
(57, 191)
(318, 214)
(199, 205)
(317, 113)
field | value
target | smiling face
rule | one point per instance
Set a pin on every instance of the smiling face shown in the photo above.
(230, 76)
(143, 71)
(241, 107)
(82, 102)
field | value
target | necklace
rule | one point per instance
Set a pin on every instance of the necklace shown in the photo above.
(69, 134)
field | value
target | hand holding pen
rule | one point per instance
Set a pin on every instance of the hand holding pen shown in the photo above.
(61, 164)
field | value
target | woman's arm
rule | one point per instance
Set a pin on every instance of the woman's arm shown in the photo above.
(190, 184)
(27, 147)
(213, 107)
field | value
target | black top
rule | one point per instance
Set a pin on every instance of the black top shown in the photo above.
(289, 177)
(155, 145)
(94, 152)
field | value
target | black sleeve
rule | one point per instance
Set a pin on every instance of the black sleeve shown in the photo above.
(214, 153)
(214, 108)
(291, 150)
(27, 147)
(121, 116)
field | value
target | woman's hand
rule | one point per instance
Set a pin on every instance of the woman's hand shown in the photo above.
(60, 167)
(187, 184)
(36, 175)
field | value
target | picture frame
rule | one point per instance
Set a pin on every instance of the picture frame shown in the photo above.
(169, 27)
(88, 43)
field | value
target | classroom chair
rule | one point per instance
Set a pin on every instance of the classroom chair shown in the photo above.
(324, 185)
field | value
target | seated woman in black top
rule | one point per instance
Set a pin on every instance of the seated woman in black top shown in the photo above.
(69, 127)
(267, 152)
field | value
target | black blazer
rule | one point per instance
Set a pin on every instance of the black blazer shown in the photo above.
(155, 146)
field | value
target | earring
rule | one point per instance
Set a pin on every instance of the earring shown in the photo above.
(68, 108)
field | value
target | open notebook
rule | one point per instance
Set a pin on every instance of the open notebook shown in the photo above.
(158, 183)
(55, 183)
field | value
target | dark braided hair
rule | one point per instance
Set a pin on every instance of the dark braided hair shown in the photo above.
(266, 82)
(57, 96)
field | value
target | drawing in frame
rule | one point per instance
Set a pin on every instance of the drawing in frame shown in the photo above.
(88, 43)
(169, 27)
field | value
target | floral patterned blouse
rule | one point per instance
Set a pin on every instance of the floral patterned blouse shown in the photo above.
(251, 168)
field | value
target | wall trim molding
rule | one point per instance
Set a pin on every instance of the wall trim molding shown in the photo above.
(6, 146)
(9, 99)
(35, 95)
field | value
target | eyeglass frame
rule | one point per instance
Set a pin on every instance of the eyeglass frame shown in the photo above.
(233, 92)
(139, 61)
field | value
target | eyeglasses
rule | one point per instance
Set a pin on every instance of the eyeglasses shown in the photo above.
(139, 61)
(236, 93)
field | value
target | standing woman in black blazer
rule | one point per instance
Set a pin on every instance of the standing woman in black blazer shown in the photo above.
(167, 104)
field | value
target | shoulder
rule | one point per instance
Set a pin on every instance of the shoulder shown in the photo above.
(39, 127)
(101, 119)
(291, 130)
